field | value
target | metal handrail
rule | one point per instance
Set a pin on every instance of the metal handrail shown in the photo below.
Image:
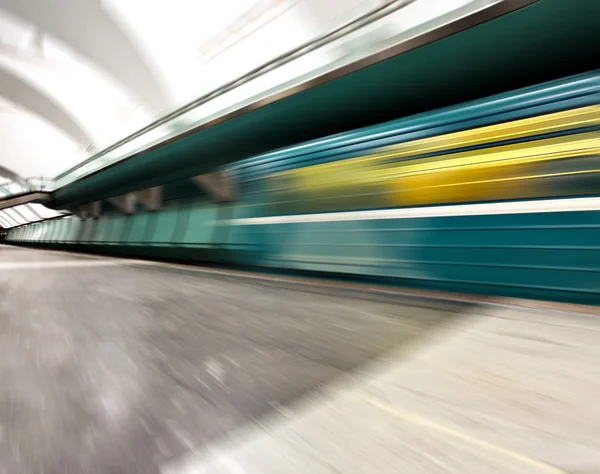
(319, 41)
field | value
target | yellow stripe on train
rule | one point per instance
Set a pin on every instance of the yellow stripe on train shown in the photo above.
(555, 122)
(501, 172)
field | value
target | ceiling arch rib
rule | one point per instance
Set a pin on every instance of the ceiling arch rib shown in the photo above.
(18, 91)
(3, 222)
(10, 217)
(10, 175)
(90, 30)
(31, 210)
(20, 214)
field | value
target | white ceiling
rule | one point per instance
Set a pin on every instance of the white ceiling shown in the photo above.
(78, 75)
(25, 214)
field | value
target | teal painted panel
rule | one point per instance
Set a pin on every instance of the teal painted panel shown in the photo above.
(200, 228)
(531, 255)
(150, 227)
(63, 229)
(396, 241)
(38, 232)
(74, 230)
(139, 223)
(166, 225)
(549, 255)
(56, 227)
(103, 231)
(50, 231)
(88, 230)
(505, 274)
(47, 227)
(246, 208)
(119, 229)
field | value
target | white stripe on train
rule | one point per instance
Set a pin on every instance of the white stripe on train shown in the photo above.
(519, 207)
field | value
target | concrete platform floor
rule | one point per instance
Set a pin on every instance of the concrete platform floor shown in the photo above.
(121, 366)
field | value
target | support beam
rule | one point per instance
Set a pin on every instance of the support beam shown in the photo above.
(220, 185)
(96, 209)
(151, 198)
(126, 203)
(40, 198)
(85, 211)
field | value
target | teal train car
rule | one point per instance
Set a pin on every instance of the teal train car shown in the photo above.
(497, 196)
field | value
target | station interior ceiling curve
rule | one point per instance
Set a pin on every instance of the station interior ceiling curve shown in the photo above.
(78, 75)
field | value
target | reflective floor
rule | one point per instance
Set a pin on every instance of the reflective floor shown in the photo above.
(118, 366)
(500, 390)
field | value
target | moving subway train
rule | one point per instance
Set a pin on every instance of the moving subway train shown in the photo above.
(497, 196)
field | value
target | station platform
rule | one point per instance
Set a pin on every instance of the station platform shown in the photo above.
(127, 366)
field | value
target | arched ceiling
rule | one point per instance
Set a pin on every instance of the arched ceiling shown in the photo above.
(16, 89)
(88, 28)
(78, 75)
(25, 214)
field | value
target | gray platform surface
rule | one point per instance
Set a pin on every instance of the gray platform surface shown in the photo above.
(500, 390)
(114, 366)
